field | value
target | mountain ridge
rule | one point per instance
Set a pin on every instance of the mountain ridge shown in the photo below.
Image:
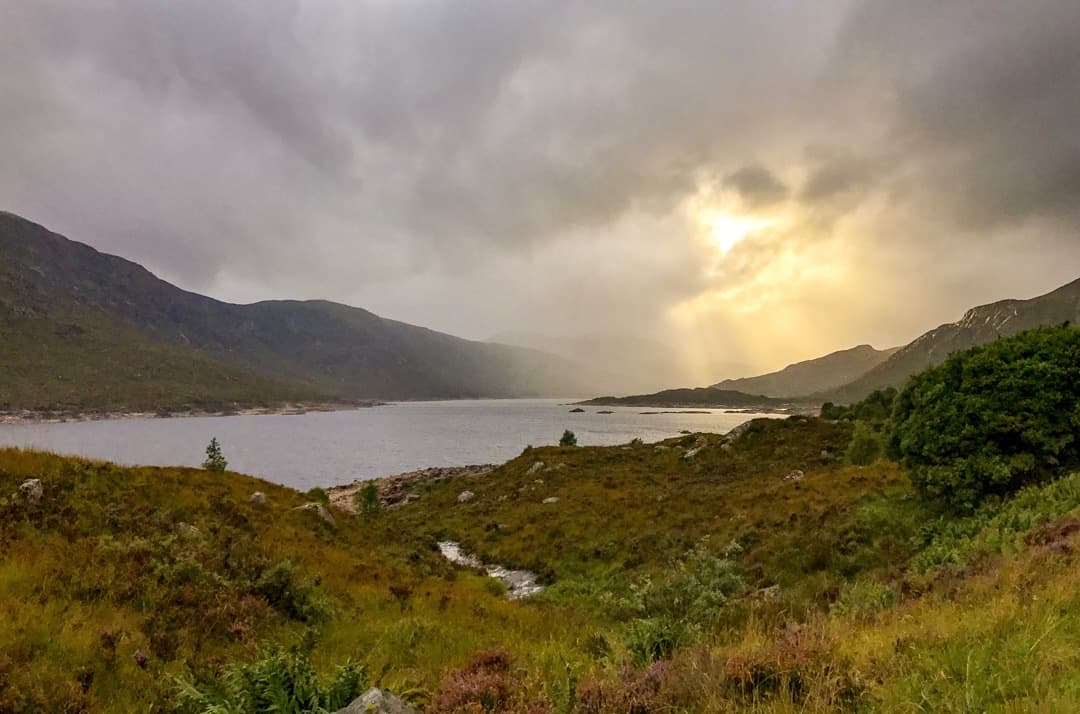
(317, 348)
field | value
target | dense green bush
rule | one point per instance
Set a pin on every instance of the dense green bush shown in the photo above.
(876, 407)
(867, 445)
(568, 438)
(992, 419)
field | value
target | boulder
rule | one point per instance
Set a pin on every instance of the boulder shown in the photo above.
(551, 499)
(32, 491)
(465, 496)
(377, 701)
(258, 497)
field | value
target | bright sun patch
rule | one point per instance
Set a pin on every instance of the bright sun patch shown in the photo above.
(724, 230)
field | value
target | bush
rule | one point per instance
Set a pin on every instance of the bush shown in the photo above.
(367, 499)
(568, 439)
(993, 419)
(867, 445)
(215, 461)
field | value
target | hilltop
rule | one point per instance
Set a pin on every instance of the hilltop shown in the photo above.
(82, 330)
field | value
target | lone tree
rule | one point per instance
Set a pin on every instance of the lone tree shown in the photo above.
(367, 499)
(568, 439)
(214, 459)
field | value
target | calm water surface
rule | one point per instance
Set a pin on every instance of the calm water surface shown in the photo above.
(327, 448)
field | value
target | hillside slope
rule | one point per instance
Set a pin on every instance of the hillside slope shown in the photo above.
(978, 326)
(327, 349)
(814, 375)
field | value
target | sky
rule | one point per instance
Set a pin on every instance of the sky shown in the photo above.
(745, 184)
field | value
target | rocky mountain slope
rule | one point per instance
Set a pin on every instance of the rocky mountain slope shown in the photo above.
(64, 305)
(978, 326)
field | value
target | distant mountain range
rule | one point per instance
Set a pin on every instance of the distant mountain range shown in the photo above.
(828, 372)
(80, 329)
(978, 326)
(850, 375)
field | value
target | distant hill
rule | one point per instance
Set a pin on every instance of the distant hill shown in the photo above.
(697, 397)
(84, 329)
(630, 364)
(815, 375)
(978, 326)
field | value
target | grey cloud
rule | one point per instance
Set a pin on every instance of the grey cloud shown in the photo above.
(756, 186)
(378, 152)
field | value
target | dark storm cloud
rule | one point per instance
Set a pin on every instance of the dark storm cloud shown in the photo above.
(383, 152)
(983, 99)
(756, 186)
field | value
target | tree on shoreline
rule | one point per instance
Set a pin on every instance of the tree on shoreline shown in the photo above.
(215, 461)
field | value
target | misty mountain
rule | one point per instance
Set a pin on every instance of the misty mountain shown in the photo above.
(629, 363)
(814, 375)
(63, 302)
(978, 326)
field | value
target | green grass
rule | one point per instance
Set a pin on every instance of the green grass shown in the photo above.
(757, 592)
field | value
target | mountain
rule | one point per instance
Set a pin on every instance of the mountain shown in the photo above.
(631, 364)
(978, 326)
(85, 329)
(815, 375)
(696, 397)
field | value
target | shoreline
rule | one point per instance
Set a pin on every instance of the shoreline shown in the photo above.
(19, 417)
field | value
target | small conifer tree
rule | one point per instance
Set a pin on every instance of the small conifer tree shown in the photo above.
(568, 439)
(215, 461)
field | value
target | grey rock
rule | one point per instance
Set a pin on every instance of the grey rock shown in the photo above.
(465, 496)
(551, 499)
(32, 491)
(795, 475)
(377, 701)
(258, 497)
(535, 468)
(318, 509)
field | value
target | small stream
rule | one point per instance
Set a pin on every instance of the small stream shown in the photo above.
(519, 583)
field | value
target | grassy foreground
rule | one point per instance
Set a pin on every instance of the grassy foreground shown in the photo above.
(759, 573)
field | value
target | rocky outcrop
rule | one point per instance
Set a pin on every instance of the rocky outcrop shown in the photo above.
(398, 490)
(319, 510)
(376, 701)
(32, 491)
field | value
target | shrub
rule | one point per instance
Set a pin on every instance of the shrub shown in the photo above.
(993, 419)
(215, 461)
(568, 439)
(279, 680)
(367, 499)
(867, 445)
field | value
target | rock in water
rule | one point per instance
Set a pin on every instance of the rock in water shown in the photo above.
(32, 491)
(377, 701)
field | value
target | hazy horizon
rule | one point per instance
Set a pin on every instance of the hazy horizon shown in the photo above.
(743, 186)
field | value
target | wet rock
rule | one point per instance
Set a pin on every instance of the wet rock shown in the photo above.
(32, 491)
(258, 497)
(377, 701)
(318, 509)
(465, 496)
